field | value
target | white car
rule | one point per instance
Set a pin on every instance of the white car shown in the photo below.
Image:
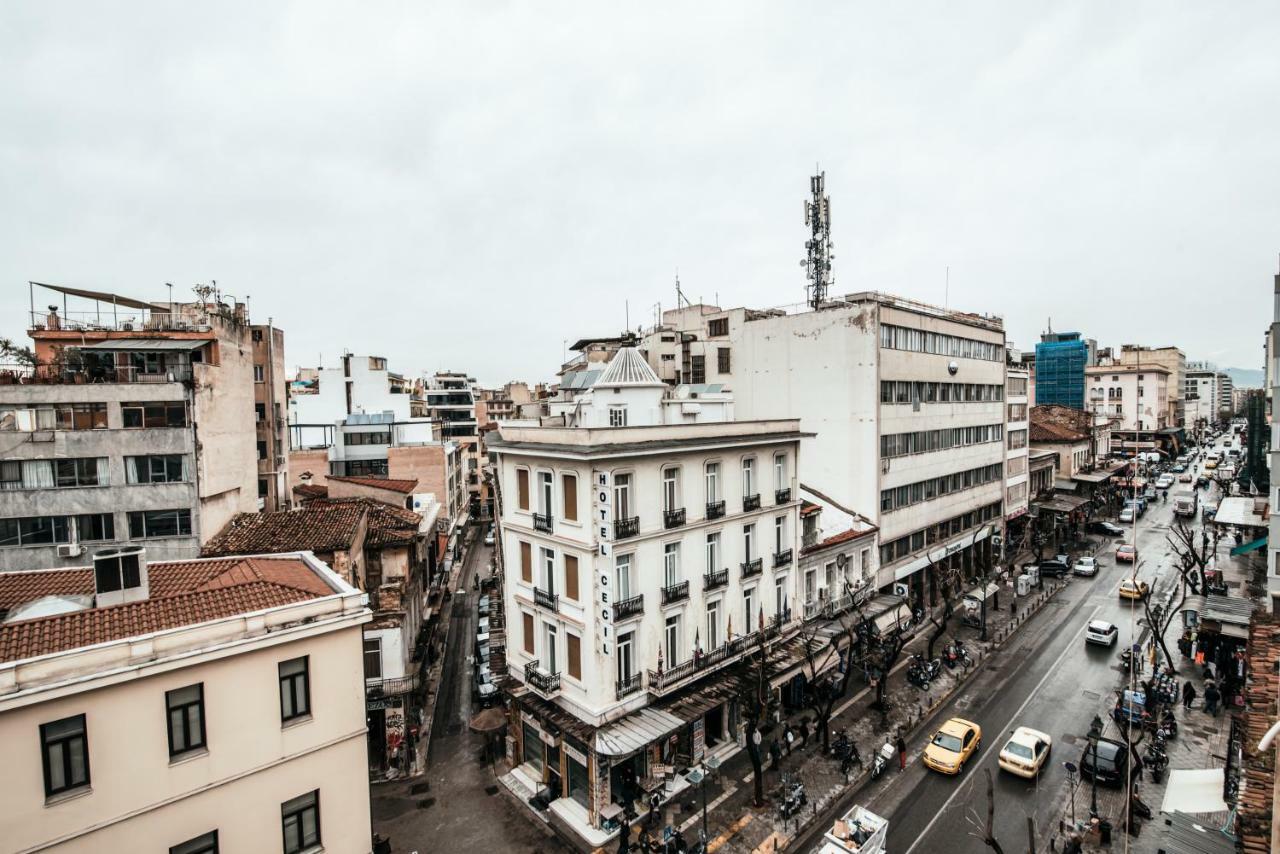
(1026, 752)
(1085, 566)
(488, 538)
(1126, 515)
(1101, 632)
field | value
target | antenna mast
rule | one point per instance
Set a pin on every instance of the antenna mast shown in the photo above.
(817, 215)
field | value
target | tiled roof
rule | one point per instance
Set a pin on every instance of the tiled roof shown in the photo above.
(318, 529)
(388, 524)
(842, 537)
(393, 484)
(180, 593)
(311, 490)
(1262, 690)
(1055, 423)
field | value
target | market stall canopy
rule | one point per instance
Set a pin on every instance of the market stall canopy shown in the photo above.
(1061, 503)
(1241, 512)
(490, 720)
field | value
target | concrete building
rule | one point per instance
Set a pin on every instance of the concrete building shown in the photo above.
(1273, 377)
(390, 553)
(644, 551)
(1017, 426)
(1137, 400)
(1226, 390)
(136, 424)
(1200, 395)
(1061, 359)
(271, 413)
(191, 706)
(1172, 360)
(919, 389)
(449, 397)
(359, 385)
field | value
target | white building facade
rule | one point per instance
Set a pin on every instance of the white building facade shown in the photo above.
(1018, 404)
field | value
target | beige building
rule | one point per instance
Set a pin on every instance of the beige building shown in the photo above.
(1136, 397)
(1172, 360)
(271, 413)
(189, 706)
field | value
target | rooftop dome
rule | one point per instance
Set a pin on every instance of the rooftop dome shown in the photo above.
(629, 368)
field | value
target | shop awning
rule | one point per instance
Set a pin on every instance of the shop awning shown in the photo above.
(148, 344)
(635, 732)
(1065, 485)
(1239, 511)
(1194, 790)
(1249, 547)
(1060, 503)
(1183, 834)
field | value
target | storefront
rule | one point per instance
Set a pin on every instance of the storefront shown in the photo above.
(1215, 634)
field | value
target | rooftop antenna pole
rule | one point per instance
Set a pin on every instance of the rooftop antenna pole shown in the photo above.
(817, 263)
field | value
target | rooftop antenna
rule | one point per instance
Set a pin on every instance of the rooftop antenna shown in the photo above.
(817, 264)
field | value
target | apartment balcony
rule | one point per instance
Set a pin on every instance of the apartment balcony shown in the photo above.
(390, 687)
(628, 685)
(673, 518)
(539, 680)
(715, 578)
(715, 509)
(628, 607)
(93, 374)
(542, 522)
(626, 528)
(752, 567)
(782, 558)
(782, 496)
(546, 599)
(663, 681)
(675, 592)
(750, 502)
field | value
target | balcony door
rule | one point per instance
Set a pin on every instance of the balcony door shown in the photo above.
(622, 496)
(713, 625)
(622, 566)
(626, 660)
(670, 564)
(550, 663)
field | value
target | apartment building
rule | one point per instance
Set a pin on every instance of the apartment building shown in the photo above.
(358, 385)
(1017, 402)
(1226, 395)
(644, 550)
(271, 414)
(917, 388)
(182, 706)
(1172, 360)
(136, 424)
(1200, 395)
(1136, 397)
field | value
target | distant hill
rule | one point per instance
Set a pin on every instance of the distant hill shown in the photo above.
(1246, 377)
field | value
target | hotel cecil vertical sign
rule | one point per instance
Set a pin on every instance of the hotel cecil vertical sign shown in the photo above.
(602, 518)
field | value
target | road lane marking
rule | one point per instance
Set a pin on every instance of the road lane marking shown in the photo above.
(1034, 691)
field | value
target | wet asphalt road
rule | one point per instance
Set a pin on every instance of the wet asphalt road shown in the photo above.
(1046, 678)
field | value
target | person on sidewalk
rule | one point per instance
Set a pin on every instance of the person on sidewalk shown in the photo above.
(1211, 697)
(902, 753)
(788, 738)
(804, 733)
(775, 753)
(1188, 694)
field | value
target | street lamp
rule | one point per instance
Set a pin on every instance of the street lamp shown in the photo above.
(1073, 782)
(1095, 732)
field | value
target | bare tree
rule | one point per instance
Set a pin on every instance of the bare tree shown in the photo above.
(883, 655)
(752, 688)
(821, 652)
(947, 582)
(987, 832)
(1192, 560)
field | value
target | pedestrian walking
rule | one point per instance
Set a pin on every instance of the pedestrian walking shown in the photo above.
(1211, 697)
(654, 800)
(804, 733)
(902, 753)
(775, 753)
(1188, 694)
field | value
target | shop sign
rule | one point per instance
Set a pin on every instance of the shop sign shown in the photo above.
(602, 516)
(699, 740)
(383, 703)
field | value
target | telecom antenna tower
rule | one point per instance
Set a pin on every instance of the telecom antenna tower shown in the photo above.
(817, 215)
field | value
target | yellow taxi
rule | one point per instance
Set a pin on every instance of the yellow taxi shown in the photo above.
(1026, 752)
(1130, 589)
(952, 745)
(1210, 464)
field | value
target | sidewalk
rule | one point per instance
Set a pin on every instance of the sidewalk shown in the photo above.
(735, 826)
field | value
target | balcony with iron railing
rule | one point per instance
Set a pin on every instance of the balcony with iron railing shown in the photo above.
(92, 374)
(624, 608)
(628, 685)
(750, 502)
(752, 567)
(539, 680)
(781, 558)
(546, 599)
(715, 509)
(675, 592)
(625, 528)
(661, 681)
(390, 687)
(673, 518)
(542, 522)
(715, 578)
(782, 496)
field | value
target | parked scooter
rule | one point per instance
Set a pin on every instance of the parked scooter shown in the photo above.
(955, 654)
(882, 759)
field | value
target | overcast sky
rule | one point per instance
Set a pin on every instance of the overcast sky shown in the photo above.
(468, 187)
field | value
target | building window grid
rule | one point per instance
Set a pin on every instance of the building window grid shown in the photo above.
(205, 843)
(938, 343)
(910, 494)
(184, 708)
(934, 534)
(65, 752)
(913, 392)
(295, 689)
(927, 441)
(300, 822)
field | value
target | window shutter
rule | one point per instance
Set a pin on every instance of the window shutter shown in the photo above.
(528, 633)
(575, 655)
(571, 577)
(570, 488)
(522, 489)
(526, 563)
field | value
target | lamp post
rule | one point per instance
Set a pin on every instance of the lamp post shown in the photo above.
(1073, 782)
(1095, 732)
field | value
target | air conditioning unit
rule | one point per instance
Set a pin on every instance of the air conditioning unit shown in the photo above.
(900, 590)
(70, 550)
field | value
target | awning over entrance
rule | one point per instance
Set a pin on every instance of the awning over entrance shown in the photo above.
(1065, 484)
(1249, 547)
(1061, 503)
(1194, 790)
(636, 731)
(1097, 476)
(1239, 510)
(120, 345)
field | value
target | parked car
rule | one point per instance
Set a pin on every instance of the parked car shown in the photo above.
(1208, 510)
(1106, 763)
(1101, 632)
(1087, 566)
(1127, 514)
(952, 746)
(484, 689)
(1126, 553)
(488, 537)
(1130, 589)
(1108, 529)
(1026, 752)
(1054, 568)
(483, 607)
(1185, 477)
(1151, 494)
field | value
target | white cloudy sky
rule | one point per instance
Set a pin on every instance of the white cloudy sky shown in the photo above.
(467, 186)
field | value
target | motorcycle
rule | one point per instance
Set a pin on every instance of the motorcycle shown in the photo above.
(883, 756)
(955, 654)
(792, 799)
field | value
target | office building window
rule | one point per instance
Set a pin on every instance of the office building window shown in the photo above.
(155, 468)
(34, 531)
(185, 710)
(300, 821)
(144, 524)
(259, 374)
(717, 327)
(373, 658)
(65, 748)
(295, 692)
(206, 843)
(158, 414)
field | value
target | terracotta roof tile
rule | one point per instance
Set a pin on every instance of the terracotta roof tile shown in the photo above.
(388, 524)
(180, 593)
(1262, 688)
(311, 490)
(393, 484)
(326, 528)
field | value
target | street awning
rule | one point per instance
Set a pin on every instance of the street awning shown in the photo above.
(181, 345)
(1065, 485)
(1249, 547)
(635, 732)
(1060, 503)
(1183, 834)
(1194, 790)
(1239, 510)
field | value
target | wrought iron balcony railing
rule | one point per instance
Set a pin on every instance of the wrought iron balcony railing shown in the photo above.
(752, 567)
(750, 502)
(661, 681)
(675, 592)
(546, 599)
(628, 607)
(539, 680)
(628, 685)
(715, 509)
(542, 522)
(673, 518)
(781, 558)
(715, 578)
(782, 496)
(624, 528)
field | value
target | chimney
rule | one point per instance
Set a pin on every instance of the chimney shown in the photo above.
(120, 576)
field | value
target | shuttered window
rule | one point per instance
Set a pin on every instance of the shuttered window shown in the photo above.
(569, 482)
(575, 654)
(528, 633)
(571, 578)
(526, 563)
(522, 489)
